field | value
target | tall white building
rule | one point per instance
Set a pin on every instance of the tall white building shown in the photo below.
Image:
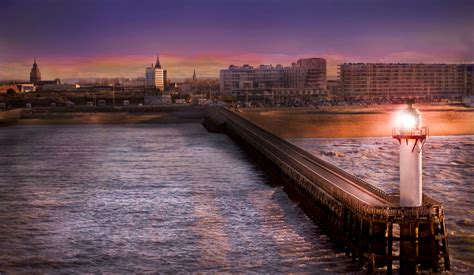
(155, 76)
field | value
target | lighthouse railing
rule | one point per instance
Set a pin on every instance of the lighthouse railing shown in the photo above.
(400, 133)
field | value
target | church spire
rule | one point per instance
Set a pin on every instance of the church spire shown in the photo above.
(157, 64)
(35, 74)
(194, 75)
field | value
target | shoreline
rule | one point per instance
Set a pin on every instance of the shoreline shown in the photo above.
(356, 122)
(83, 116)
(106, 118)
(288, 123)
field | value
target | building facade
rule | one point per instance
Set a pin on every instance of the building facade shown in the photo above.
(133, 84)
(333, 89)
(156, 76)
(268, 76)
(307, 73)
(35, 74)
(269, 85)
(60, 87)
(469, 83)
(399, 81)
(236, 77)
(304, 73)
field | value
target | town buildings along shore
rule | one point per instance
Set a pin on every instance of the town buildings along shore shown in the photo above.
(398, 81)
(305, 73)
(306, 80)
(275, 83)
(304, 83)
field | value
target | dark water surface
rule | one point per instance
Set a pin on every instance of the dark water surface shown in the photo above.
(448, 176)
(144, 198)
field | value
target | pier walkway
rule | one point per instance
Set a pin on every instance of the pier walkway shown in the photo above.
(314, 168)
(366, 222)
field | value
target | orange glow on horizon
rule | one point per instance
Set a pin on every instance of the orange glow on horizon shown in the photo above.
(179, 66)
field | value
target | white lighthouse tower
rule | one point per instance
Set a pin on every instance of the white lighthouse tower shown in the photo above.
(411, 137)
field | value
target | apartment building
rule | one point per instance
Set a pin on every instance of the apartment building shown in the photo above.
(398, 81)
(304, 73)
(237, 79)
(307, 73)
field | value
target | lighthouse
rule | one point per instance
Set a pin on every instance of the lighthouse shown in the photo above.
(411, 137)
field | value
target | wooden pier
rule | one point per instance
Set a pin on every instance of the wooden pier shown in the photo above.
(364, 221)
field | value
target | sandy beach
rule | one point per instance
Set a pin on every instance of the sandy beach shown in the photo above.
(107, 115)
(106, 118)
(373, 121)
(326, 122)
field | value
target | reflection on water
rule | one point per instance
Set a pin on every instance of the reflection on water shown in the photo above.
(448, 176)
(146, 198)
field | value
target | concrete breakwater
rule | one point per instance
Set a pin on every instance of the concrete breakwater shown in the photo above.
(365, 222)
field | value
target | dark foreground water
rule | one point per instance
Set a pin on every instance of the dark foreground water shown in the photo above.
(448, 176)
(145, 198)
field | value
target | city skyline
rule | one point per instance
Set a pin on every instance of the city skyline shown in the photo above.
(84, 39)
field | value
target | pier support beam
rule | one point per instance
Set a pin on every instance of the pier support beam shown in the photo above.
(408, 248)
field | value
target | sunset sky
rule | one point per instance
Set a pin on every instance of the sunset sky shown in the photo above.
(119, 38)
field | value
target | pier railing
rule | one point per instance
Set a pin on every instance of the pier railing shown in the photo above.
(368, 223)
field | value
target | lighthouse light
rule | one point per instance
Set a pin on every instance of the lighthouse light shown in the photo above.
(407, 121)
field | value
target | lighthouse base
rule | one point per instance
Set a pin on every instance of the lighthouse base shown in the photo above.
(410, 173)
